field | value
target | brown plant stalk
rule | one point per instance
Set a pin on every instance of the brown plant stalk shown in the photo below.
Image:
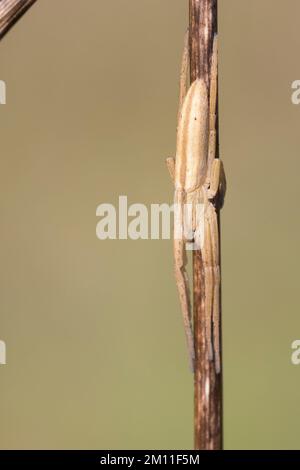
(207, 383)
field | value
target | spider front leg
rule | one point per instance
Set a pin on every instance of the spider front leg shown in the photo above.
(216, 180)
(183, 88)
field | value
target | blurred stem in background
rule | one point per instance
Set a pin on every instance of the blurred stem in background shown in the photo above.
(10, 12)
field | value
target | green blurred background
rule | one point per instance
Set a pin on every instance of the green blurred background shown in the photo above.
(96, 355)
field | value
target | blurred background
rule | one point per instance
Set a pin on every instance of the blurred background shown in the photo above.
(96, 354)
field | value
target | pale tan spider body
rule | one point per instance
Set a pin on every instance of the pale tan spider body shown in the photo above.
(199, 183)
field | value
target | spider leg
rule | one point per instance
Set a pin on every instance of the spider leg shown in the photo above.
(210, 254)
(183, 89)
(184, 296)
(184, 72)
(181, 276)
(208, 282)
(213, 95)
(217, 285)
(216, 180)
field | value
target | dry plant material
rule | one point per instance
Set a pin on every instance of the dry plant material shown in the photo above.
(11, 11)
